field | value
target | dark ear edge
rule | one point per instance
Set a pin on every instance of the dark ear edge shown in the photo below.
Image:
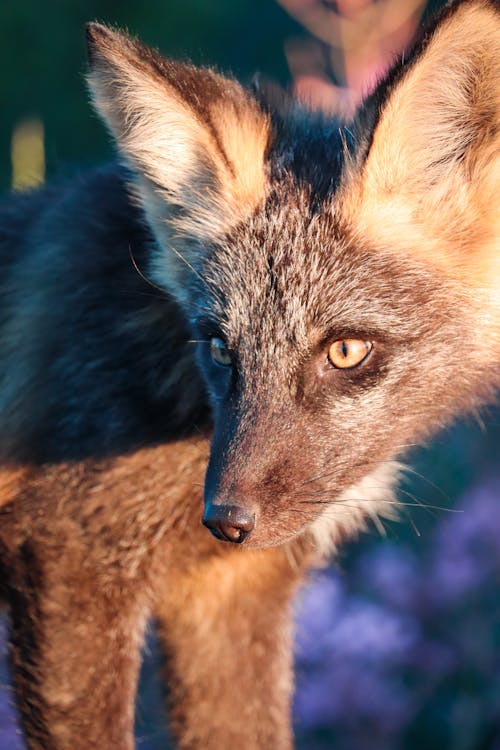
(93, 33)
(100, 37)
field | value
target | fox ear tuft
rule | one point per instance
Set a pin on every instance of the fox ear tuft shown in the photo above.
(196, 141)
(94, 34)
(429, 183)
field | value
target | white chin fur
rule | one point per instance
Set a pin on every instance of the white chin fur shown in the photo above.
(370, 499)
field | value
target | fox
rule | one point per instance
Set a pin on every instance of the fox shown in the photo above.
(215, 354)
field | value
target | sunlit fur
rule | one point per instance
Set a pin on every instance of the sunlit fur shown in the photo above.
(199, 160)
(279, 231)
(429, 186)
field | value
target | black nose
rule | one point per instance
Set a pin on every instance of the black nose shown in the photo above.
(229, 522)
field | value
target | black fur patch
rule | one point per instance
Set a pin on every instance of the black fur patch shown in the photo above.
(92, 355)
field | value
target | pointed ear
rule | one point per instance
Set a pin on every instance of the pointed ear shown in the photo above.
(430, 181)
(197, 141)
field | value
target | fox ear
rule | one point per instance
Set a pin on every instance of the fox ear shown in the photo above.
(196, 141)
(429, 184)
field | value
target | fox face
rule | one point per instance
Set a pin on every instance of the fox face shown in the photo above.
(322, 366)
(340, 280)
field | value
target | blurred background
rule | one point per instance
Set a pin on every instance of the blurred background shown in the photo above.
(398, 641)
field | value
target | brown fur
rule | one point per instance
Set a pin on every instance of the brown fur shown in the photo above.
(256, 238)
(98, 562)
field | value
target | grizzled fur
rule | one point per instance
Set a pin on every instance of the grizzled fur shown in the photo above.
(274, 233)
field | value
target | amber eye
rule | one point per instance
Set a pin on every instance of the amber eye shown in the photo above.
(347, 353)
(219, 352)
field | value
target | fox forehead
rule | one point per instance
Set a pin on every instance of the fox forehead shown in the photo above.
(297, 269)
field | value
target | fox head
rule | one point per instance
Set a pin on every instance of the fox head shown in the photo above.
(341, 280)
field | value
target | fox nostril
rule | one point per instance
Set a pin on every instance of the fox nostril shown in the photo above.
(232, 533)
(229, 523)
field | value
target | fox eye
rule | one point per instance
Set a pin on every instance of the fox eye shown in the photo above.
(348, 353)
(219, 352)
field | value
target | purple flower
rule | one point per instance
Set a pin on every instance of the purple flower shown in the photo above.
(405, 638)
(10, 735)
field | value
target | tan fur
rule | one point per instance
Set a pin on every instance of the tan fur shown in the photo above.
(246, 136)
(430, 184)
(10, 481)
(178, 152)
(252, 644)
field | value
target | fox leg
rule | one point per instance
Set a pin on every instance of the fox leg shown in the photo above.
(75, 648)
(225, 628)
